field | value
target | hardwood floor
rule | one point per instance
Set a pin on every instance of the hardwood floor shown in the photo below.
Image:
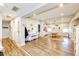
(43, 46)
(48, 46)
(12, 49)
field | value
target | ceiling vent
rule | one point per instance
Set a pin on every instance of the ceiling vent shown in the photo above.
(15, 8)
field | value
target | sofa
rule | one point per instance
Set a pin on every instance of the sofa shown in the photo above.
(31, 37)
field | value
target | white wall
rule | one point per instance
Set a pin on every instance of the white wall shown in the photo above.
(31, 25)
(1, 33)
(71, 25)
(51, 26)
(17, 31)
(77, 40)
(75, 32)
(54, 28)
(5, 31)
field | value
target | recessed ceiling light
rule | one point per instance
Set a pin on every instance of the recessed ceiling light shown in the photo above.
(61, 5)
(61, 14)
(1, 4)
(8, 17)
(34, 15)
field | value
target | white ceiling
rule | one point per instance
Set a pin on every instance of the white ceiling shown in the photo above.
(43, 8)
(23, 8)
(56, 12)
(41, 11)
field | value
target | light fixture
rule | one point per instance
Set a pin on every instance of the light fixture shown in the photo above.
(49, 29)
(8, 17)
(33, 15)
(1, 4)
(61, 14)
(61, 5)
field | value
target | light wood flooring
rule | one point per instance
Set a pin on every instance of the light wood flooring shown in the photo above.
(48, 46)
(43, 46)
(12, 49)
